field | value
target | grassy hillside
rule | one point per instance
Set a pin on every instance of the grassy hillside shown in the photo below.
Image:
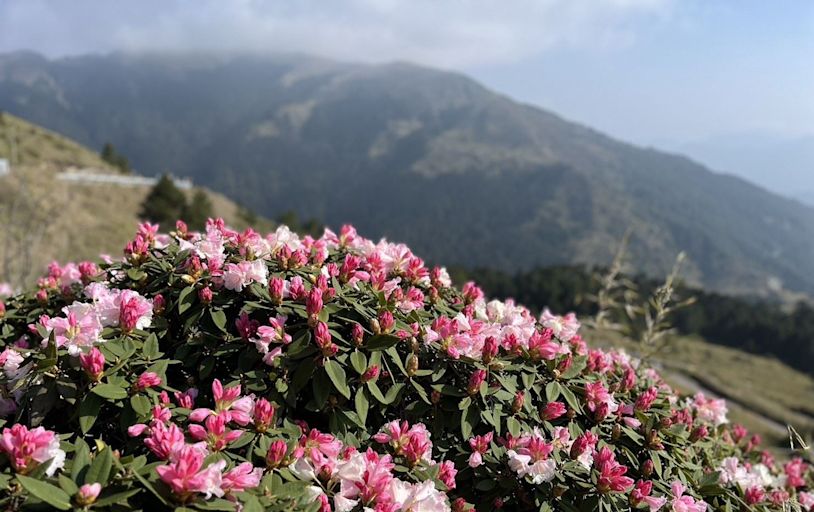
(43, 218)
(394, 148)
(763, 394)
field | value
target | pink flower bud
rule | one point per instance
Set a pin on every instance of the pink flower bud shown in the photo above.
(552, 411)
(276, 454)
(2, 309)
(88, 270)
(205, 295)
(87, 494)
(263, 414)
(475, 380)
(490, 347)
(147, 380)
(42, 296)
(371, 373)
(313, 305)
(93, 363)
(159, 304)
(322, 337)
(358, 335)
(386, 321)
(276, 289)
(700, 432)
(519, 400)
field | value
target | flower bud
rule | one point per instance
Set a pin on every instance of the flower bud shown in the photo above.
(87, 494)
(159, 304)
(93, 363)
(699, 433)
(490, 347)
(276, 454)
(2, 309)
(205, 295)
(412, 365)
(358, 335)
(371, 373)
(475, 380)
(263, 415)
(276, 289)
(386, 321)
(42, 296)
(552, 411)
(647, 468)
(147, 380)
(517, 404)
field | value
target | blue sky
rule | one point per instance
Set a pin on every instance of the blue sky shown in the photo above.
(664, 72)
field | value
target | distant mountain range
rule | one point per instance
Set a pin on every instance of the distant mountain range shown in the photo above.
(782, 164)
(466, 176)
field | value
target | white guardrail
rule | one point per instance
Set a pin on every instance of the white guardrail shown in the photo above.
(92, 176)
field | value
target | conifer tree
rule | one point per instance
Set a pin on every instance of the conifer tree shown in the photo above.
(164, 204)
(199, 210)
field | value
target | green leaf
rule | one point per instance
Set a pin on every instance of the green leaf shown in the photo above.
(552, 391)
(150, 349)
(186, 299)
(109, 391)
(513, 425)
(81, 460)
(141, 404)
(136, 274)
(219, 319)
(337, 375)
(67, 485)
(376, 392)
(89, 411)
(362, 405)
(381, 342)
(117, 498)
(48, 493)
(100, 468)
(359, 362)
(571, 398)
(469, 420)
(393, 392)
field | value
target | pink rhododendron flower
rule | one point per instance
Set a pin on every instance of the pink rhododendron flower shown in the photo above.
(641, 494)
(135, 311)
(564, 327)
(237, 276)
(185, 473)
(26, 449)
(78, 330)
(684, 503)
(531, 458)
(243, 476)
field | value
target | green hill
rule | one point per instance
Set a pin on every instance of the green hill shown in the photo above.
(43, 217)
(517, 186)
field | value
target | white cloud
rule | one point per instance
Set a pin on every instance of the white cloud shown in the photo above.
(453, 33)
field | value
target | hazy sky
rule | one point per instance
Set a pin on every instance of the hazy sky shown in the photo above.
(650, 71)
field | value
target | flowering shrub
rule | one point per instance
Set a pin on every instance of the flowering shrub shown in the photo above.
(225, 370)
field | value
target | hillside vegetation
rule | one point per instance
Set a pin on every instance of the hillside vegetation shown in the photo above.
(517, 186)
(45, 219)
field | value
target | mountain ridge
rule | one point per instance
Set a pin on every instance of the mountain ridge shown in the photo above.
(516, 185)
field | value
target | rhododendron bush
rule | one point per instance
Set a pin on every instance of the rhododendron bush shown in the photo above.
(234, 371)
